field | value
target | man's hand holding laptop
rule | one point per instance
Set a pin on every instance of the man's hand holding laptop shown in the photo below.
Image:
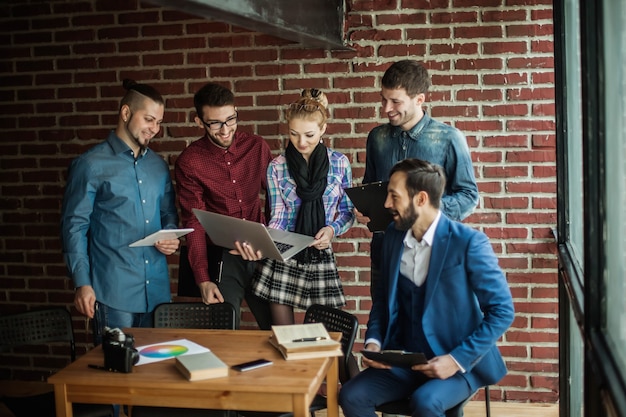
(323, 239)
(246, 251)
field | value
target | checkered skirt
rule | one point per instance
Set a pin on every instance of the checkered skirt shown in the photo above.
(300, 284)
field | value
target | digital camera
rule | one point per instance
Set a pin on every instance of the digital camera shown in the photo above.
(119, 350)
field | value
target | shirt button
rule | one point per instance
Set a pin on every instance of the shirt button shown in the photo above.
(147, 282)
(240, 201)
(147, 261)
(227, 163)
(147, 221)
(143, 201)
(140, 181)
(234, 181)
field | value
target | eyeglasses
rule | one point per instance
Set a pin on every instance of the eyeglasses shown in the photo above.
(231, 121)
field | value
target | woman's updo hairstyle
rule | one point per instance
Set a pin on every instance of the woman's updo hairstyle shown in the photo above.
(311, 104)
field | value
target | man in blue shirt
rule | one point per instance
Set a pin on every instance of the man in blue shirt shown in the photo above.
(412, 133)
(118, 192)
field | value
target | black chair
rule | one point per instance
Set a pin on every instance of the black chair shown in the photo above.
(195, 316)
(334, 320)
(189, 316)
(40, 327)
(401, 407)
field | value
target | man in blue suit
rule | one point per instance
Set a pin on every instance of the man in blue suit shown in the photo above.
(441, 293)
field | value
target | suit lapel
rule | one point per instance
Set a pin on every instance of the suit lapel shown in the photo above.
(438, 254)
(395, 256)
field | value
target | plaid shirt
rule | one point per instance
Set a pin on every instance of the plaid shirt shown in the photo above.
(284, 202)
(225, 181)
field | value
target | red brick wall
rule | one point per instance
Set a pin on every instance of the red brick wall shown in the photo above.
(61, 66)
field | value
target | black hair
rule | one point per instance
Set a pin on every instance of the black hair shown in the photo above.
(408, 74)
(422, 176)
(212, 95)
(137, 92)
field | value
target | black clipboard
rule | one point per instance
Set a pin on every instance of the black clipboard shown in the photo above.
(396, 357)
(369, 199)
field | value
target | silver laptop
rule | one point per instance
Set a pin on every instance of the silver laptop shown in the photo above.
(273, 243)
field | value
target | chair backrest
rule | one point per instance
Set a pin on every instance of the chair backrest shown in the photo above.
(37, 327)
(195, 316)
(336, 320)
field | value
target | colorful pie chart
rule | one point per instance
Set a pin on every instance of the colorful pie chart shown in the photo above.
(163, 351)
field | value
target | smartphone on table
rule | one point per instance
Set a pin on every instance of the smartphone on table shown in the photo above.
(248, 366)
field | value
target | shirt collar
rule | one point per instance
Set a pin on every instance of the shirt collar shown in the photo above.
(119, 146)
(218, 149)
(410, 240)
(415, 131)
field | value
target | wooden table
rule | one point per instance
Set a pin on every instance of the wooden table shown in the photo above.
(284, 386)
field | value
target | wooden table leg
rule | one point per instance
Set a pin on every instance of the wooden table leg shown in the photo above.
(300, 407)
(63, 407)
(332, 385)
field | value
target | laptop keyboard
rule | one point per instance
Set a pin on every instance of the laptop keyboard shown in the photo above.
(283, 247)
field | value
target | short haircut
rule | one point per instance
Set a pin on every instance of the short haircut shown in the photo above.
(212, 95)
(422, 176)
(408, 74)
(136, 93)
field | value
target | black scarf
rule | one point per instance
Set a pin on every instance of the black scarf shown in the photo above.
(311, 181)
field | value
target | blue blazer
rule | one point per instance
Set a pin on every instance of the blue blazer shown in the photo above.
(467, 305)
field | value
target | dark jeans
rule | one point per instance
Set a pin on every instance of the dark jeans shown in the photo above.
(235, 286)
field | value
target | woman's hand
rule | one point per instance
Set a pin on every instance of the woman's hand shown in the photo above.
(323, 238)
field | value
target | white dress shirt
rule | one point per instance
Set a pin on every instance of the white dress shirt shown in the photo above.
(416, 254)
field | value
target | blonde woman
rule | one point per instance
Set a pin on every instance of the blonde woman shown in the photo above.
(306, 191)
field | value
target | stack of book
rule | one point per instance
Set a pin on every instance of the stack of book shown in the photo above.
(304, 341)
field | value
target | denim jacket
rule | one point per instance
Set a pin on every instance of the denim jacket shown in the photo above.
(431, 141)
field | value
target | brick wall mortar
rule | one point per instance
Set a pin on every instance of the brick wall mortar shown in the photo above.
(492, 70)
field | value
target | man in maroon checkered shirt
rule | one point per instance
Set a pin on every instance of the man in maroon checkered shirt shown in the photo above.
(224, 172)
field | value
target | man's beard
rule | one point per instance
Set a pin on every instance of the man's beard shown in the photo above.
(142, 146)
(404, 223)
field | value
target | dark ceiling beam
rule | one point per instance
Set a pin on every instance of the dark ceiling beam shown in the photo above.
(312, 23)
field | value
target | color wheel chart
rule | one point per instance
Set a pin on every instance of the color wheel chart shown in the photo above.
(163, 351)
(167, 350)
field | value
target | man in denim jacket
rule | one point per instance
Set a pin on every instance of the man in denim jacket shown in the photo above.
(411, 133)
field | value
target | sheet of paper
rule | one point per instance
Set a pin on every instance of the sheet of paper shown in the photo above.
(166, 350)
(150, 240)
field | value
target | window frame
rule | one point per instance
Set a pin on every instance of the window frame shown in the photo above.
(604, 383)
